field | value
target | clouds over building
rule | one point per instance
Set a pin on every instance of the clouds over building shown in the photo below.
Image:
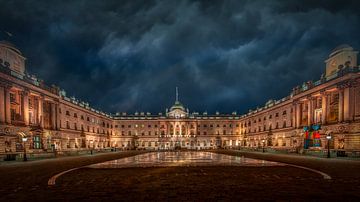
(223, 55)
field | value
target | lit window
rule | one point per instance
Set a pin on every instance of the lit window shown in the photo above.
(37, 142)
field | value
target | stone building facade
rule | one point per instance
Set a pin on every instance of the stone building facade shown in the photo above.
(51, 121)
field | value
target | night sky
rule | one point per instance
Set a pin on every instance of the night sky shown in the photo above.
(223, 55)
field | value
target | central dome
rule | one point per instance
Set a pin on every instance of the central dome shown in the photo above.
(177, 105)
(177, 110)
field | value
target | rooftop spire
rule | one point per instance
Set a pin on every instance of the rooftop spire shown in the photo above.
(177, 94)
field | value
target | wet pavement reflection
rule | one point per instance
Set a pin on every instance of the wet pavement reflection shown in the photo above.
(183, 158)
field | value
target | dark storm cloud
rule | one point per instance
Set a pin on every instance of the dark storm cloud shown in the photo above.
(223, 55)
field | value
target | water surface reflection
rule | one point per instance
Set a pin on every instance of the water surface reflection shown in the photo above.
(183, 158)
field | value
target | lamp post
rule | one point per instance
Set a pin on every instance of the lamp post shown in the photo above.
(328, 137)
(263, 144)
(24, 139)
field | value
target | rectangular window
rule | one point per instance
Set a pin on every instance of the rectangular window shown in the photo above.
(37, 142)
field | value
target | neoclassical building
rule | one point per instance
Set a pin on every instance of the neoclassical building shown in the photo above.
(50, 121)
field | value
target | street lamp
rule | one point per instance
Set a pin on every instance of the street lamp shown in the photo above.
(328, 137)
(24, 139)
(263, 144)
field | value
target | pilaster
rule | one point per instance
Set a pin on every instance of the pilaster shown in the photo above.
(310, 110)
(324, 101)
(40, 111)
(25, 103)
(341, 105)
(298, 114)
(2, 104)
(53, 116)
(7, 105)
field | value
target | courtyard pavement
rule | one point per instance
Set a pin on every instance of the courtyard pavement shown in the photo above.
(28, 181)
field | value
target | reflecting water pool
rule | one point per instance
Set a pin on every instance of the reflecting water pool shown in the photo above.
(183, 158)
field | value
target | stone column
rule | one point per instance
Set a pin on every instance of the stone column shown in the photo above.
(310, 111)
(40, 111)
(341, 105)
(323, 108)
(26, 107)
(351, 103)
(2, 105)
(53, 116)
(174, 129)
(7, 105)
(298, 114)
(293, 116)
(58, 117)
(346, 104)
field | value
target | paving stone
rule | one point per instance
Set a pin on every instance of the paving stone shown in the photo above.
(221, 183)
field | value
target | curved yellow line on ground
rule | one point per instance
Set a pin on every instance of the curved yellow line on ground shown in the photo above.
(52, 180)
(326, 176)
